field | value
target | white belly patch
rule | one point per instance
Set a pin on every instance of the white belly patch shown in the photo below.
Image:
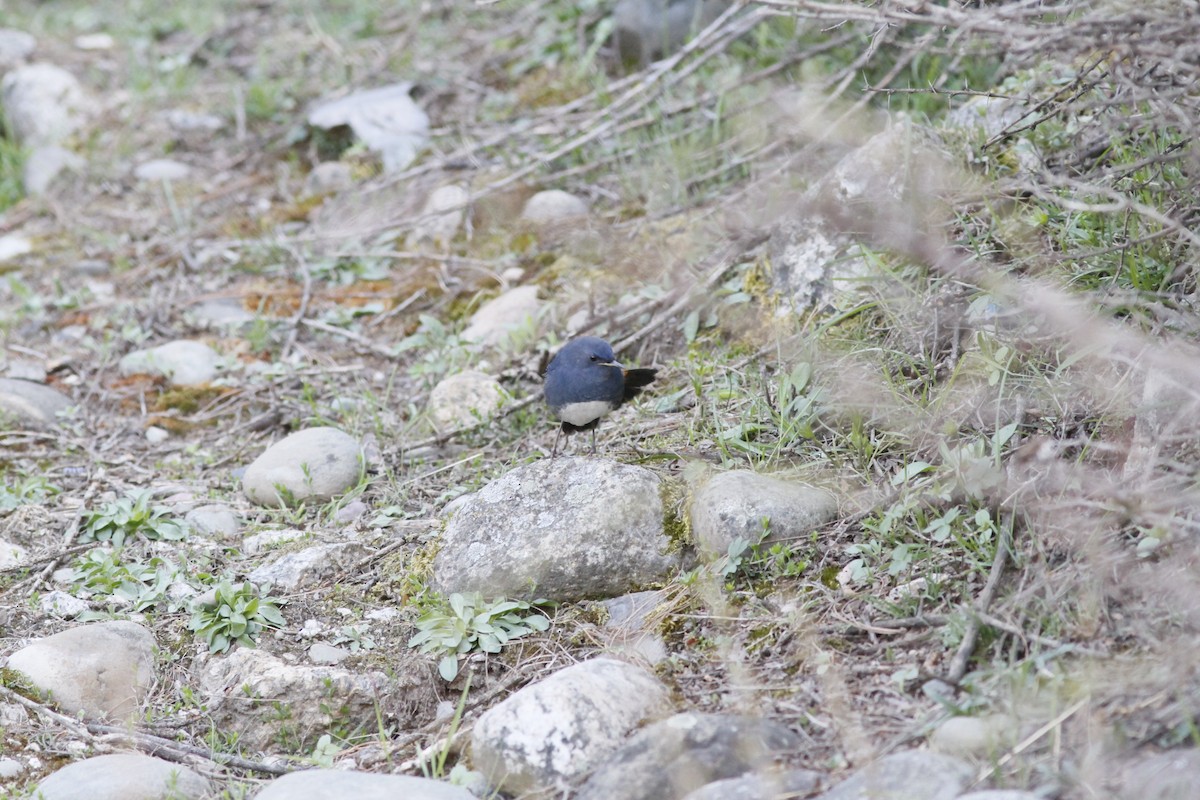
(580, 414)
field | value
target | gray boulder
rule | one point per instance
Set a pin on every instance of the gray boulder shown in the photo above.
(313, 464)
(104, 669)
(734, 504)
(670, 758)
(184, 362)
(275, 706)
(561, 529)
(464, 399)
(765, 785)
(124, 776)
(496, 319)
(551, 733)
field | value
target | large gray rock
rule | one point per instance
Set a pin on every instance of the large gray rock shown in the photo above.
(337, 784)
(215, 520)
(43, 104)
(734, 504)
(464, 399)
(561, 529)
(313, 464)
(902, 776)
(124, 776)
(551, 733)
(279, 707)
(496, 319)
(30, 402)
(878, 192)
(680, 754)
(553, 205)
(184, 362)
(103, 669)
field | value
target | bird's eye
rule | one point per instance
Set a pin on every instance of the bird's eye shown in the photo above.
(595, 358)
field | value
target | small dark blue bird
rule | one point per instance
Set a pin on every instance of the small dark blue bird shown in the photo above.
(584, 382)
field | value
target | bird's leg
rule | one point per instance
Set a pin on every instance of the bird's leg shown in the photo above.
(554, 450)
(593, 440)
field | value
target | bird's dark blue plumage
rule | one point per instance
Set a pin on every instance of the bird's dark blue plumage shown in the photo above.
(584, 382)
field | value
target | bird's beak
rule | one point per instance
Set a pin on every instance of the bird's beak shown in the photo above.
(614, 363)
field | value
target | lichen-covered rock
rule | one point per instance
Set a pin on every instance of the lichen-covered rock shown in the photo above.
(551, 733)
(561, 529)
(463, 399)
(104, 669)
(734, 504)
(339, 784)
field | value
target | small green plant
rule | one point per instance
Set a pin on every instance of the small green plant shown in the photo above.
(141, 586)
(235, 614)
(132, 515)
(467, 623)
(32, 489)
(354, 638)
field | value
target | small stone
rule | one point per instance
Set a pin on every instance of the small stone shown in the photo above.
(45, 164)
(157, 435)
(321, 653)
(161, 169)
(351, 511)
(33, 403)
(1170, 775)
(11, 554)
(94, 41)
(498, 318)
(627, 629)
(328, 177)
(43, 104)
(221, 313)
(213, 520)
(59, 604)
(102, 669)
(122, 776)
(313, 464)
(553, 732)
(185, 362)
(10, 768)
(553, 205)
(464, 399)
(444, 211)
(979, 737)
(733, 505)
(187, 121)
(15, 47)
(13, 245)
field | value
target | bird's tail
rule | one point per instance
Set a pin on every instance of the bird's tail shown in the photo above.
(637, 379)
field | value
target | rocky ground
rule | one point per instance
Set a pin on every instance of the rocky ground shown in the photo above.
(906, 513)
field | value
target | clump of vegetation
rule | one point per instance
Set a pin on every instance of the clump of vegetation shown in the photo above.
(235, 615)
(130, 516)
(466, 623)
